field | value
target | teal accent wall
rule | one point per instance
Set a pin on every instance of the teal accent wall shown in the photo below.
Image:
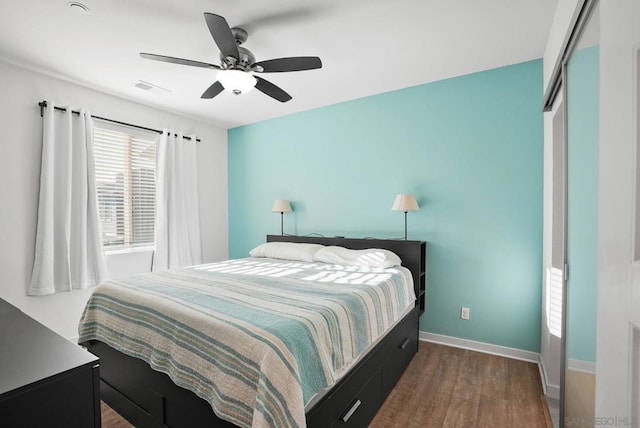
(583, 104)
(471, 150)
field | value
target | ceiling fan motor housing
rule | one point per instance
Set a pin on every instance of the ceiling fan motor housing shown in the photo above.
(246, 57)
(243, 63)
(240, 34)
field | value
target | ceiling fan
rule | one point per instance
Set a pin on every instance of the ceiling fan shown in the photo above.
(238, 68)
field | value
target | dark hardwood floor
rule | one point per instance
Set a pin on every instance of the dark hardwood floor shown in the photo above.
(110, 419)
(452, 387)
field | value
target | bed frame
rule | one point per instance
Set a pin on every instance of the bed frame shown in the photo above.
(148, 398)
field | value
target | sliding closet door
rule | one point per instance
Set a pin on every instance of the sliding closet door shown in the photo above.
(551, 329)
(582, 97)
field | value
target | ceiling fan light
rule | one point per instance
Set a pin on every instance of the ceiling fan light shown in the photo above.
(236, 81)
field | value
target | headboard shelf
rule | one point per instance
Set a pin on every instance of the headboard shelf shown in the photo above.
(412, 253)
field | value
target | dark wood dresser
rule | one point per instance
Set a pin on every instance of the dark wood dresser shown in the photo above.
(45, 380)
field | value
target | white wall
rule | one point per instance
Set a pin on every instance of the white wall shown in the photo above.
(20, 150)
(619, 136)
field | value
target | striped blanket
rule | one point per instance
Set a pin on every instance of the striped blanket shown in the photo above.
(256, 338)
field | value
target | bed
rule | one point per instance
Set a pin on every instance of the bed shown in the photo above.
(147, 396)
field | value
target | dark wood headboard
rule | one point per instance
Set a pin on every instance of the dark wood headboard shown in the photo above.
(412, 254)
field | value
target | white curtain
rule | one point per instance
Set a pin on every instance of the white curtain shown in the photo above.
(177, 209)
(68, 253)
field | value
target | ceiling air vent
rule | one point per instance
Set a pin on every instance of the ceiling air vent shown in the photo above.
(150, 87)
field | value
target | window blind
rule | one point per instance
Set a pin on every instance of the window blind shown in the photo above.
(126, 186)
(554, 301)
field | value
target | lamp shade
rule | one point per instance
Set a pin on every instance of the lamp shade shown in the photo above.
(281, 206)
(405, 202)
(236, 81)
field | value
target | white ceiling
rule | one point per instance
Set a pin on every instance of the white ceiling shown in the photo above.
(367, 47)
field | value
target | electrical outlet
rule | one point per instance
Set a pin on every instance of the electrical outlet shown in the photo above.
(465, 313)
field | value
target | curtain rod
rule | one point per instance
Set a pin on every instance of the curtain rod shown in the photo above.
(43, 104)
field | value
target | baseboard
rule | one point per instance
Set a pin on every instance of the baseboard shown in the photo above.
(543, 374)
(487, 348)
(550, 390)
(582, 366)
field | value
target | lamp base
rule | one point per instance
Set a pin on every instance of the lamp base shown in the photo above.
(405, 225)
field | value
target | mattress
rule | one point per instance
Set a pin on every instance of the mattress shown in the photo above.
(258, 339)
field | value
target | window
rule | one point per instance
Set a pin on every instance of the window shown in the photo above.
(126, 186)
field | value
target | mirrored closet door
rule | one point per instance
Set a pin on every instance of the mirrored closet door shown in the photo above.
(581, 95)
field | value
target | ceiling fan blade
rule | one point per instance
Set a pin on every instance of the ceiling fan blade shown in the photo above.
(272, 90)
(180, 61)
(222, 35)
(296, 63)
(213, 90)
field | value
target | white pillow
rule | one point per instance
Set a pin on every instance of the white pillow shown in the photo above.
(286, 251)
(371, 257)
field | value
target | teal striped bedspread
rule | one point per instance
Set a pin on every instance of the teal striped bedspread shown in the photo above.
(256, 338)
